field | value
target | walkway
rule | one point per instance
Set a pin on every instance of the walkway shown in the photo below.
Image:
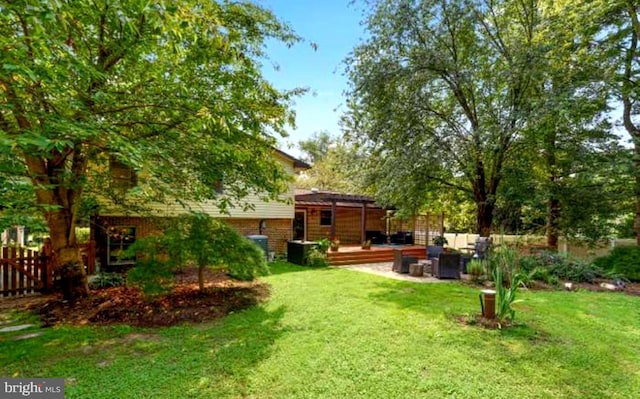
(384, 269)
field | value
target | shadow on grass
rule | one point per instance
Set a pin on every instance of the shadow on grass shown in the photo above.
(457, 301)
(234, 350)
(426, 298)
(191, 360)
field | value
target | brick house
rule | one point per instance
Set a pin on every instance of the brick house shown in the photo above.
(113, 230)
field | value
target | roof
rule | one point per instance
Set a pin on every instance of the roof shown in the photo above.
(318, 197)
(296, 162)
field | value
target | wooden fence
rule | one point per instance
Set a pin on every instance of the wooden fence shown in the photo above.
(24, 271)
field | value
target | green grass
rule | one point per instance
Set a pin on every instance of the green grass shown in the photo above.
(329, 333)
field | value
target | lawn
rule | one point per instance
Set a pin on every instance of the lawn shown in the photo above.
(331, 333)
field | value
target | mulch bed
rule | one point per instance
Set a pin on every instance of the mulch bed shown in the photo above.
(185, 303)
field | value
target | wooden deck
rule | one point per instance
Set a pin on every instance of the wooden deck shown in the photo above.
(354, 255)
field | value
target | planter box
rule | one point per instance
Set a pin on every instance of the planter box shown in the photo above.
(297, 251)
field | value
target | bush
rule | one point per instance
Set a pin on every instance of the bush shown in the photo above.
(475, 268)
(552, 266)
(622, 261)
(317, 258)
(565, 267)
(323, 245)
(153, 271)
(543, 274)
(105, 280)
(212, 243)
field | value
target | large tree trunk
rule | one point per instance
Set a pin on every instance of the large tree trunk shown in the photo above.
(553, 215)
(485, 199)
(61, 201)
(484, 217)
(67, 260)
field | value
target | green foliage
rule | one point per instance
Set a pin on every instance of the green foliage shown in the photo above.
(622, 261)
(543, 274)
(153, 271)
(475, 268)
(171, 90)
(212, 243)
(323, 245)
(335, 165)
(105, 280)
(565, 267)
(551, 267)
(300, 343)
(503, 263)
(197, 238)
(440, 241)
(83, 234)
(317, 258)
(438, 102)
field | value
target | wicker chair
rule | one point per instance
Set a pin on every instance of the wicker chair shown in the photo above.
(401, 262)
(446, 265)
(482, 247)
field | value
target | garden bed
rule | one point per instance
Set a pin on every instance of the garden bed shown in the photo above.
(185, 303)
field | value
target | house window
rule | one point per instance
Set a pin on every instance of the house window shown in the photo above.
(218, 187)
(325, 217)
(119, 239)
(122, 175)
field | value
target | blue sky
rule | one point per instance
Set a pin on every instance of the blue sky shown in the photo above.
(334, 25)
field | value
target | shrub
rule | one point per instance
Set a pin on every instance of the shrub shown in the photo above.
(565, 267)
(622, 261)
(212, 243)
(198, 238)
(530, 262)
(542, 274)
(153, 271)
(317, 258)
(552, 266)
(105, 280)
(475, 268)
(323, 245)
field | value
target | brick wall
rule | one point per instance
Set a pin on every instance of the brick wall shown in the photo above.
(278, 231)
(347, 223)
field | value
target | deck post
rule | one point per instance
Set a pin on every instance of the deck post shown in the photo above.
(363, 223)
(333, 220)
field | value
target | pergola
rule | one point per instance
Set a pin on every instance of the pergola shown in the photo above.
(320, 197)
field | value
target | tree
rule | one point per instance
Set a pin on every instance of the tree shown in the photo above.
(170, 90)
(443, 87)
(569, 144)
(335, 165)
(316, 147)
(619, 25)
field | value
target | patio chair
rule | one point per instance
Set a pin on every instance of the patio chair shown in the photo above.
(482, 247)
(433, 251)
(402, 237)
(401, 262)
(446, 265)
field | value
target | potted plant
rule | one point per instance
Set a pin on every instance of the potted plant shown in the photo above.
(323, 245)
(366, 244)
(433, 251)
(440, 241)
(335, 245)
